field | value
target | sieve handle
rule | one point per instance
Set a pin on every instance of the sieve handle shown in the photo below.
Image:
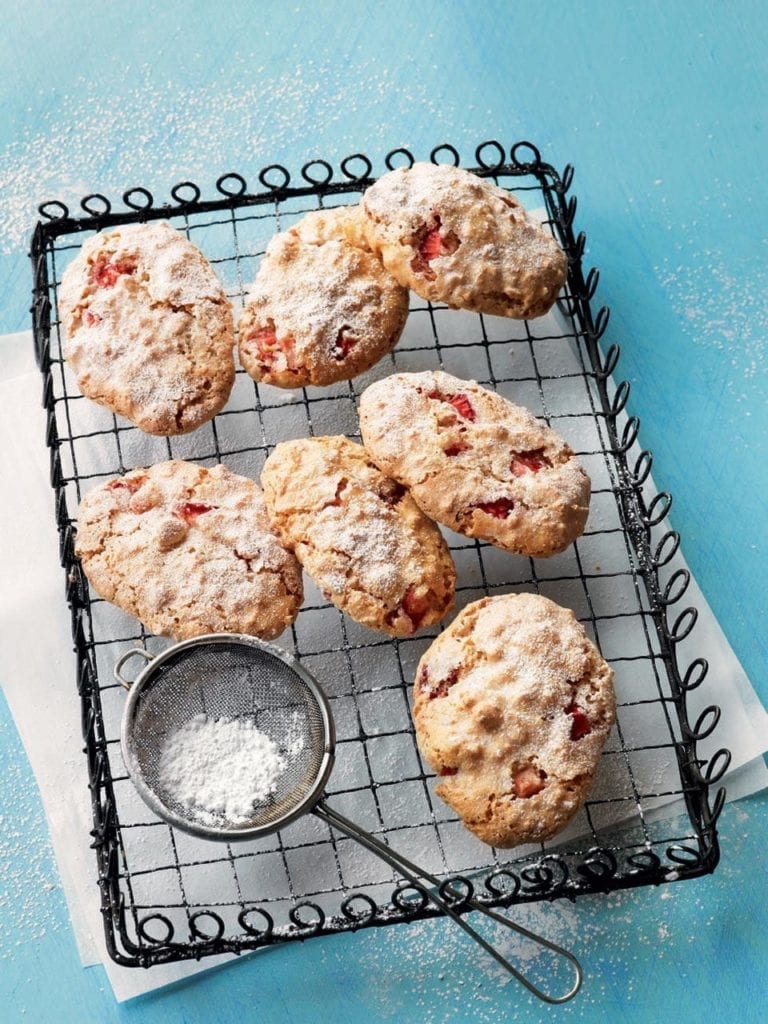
(124, 659)
(418, 876)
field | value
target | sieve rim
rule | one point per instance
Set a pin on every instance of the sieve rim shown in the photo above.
(198, 829)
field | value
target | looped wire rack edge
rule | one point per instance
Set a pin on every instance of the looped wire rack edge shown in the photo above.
(311, 882)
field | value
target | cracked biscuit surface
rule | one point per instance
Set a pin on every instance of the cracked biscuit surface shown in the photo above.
(456, 238)
(358, 534)
(188, 550)
(322, 308)
(149, 330)
(475, 462)
(513, 704)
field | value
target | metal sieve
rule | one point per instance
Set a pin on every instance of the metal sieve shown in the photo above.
(230, 675)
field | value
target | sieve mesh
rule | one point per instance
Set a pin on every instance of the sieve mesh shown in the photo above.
(235, 680)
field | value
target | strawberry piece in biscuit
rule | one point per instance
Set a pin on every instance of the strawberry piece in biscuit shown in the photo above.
(499, 509)
(125, 484)
(460, 403)
(439, 688)
(345, 342)
(105, 273)
(581, 726)
(416, 608)
(457, 448)
(529, 462)
(431, 244)
(528, 782)
(190, 510)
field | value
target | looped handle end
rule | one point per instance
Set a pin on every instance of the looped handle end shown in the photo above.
(452, 897)
(135, 652)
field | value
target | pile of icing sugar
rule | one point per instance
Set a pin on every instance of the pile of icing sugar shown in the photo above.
(222, 766)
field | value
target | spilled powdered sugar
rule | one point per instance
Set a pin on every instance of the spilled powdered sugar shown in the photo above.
(626, 941)
(222, 766)
(724, 310)
(161, 132)
(30, 896)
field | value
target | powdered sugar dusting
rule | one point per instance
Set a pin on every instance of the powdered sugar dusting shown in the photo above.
(456, 238)
(455, 466)
(310, 296)
(402, 198)
(224, 766)
(739, 324)
(149, 330)
(188, 550)
(189, 130)
(30, 899)
(372, 540)
(625, 941)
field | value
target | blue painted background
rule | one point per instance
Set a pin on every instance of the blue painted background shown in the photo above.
(661, 107)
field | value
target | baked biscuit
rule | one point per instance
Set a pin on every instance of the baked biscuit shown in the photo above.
(343, 223)
(455, 238)
(321, 309)
(358, 534)
(188, 550)
(149, 331)
(475, 462)
(513, 704)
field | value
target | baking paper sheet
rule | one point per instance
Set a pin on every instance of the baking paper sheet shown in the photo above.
(37, 674)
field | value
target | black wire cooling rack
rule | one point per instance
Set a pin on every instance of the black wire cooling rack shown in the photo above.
(167, 897)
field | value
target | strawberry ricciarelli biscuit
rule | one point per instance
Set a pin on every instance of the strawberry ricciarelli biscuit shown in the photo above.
(475, 462)
(188, 550)
(322, 308)
(456, 238)
(149, 331)
(359, 535)
(512, 705)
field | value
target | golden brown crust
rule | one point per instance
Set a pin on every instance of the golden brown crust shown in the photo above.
(358, 534)
(455, 238)
(321, 309)
(188, 551)
(513, 704)
(475, 462)
(149, 331)
(340, 222)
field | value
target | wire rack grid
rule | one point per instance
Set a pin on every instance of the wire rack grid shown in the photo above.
(166, 896)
